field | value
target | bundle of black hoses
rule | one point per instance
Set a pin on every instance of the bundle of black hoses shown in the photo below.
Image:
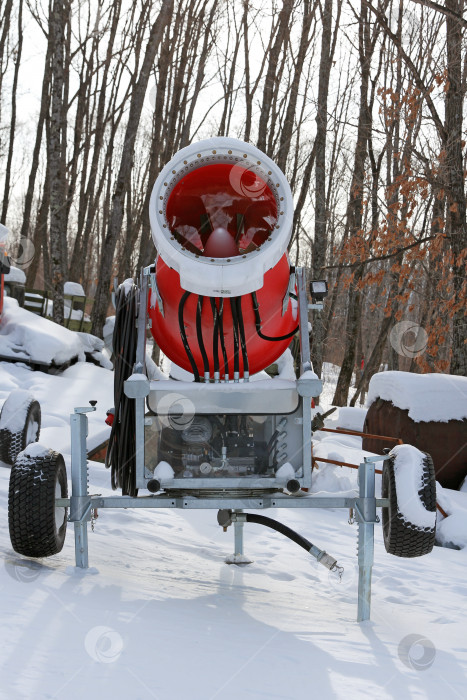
(181, 325)
(238, 331)
(121, 452)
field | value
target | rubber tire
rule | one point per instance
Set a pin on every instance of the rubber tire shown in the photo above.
(31, 504)
(402, 538)
(12, 443)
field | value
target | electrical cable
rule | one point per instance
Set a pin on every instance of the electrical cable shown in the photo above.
(215, 336)
(181, 325)
(258, 323)
(241, 326)
(235, 336)
(221, 334)
(121, 451)
(199, 333)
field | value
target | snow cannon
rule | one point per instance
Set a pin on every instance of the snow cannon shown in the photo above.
(223, 304)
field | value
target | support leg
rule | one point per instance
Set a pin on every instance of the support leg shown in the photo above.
(81, 545)
(238, 530)
(80, 501)
(238, 557)
(366, 513)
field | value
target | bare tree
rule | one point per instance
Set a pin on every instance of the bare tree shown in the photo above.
(99, 311)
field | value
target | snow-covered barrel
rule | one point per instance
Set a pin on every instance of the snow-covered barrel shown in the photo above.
(428, 411)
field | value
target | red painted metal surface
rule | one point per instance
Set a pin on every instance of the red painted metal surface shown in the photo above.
(221, 197)
(261, 353)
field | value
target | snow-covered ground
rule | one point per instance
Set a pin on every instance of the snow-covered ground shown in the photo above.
(160, 615)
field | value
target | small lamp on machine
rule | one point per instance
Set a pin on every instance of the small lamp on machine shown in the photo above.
(318, 290)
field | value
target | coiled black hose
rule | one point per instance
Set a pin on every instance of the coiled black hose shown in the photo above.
(258, 324)
(121, 451)
(221, 334)
(199, 333)
(241, 326)
(181, 325)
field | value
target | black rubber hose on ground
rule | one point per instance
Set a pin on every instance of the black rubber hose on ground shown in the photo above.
(181, 325)
(258, 323)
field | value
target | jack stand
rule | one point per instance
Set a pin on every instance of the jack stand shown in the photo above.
(80, 501)
(238, 557)
(365, 512)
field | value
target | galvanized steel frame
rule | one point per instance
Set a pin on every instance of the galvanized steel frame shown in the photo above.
(82, 504)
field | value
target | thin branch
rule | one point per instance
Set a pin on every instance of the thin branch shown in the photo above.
(382, 257)
(444, 10)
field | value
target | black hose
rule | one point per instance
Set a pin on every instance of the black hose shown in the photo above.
(235, 335)
(279, 527)
(221, 334)
(241, 326)
(215, 335)
(121, 451)
(181, 325)
(199, 333)
(258, 324)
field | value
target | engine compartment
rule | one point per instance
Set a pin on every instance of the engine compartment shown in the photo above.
(214, 446)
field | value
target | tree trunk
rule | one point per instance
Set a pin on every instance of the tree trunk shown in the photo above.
(58, 21)
(101, 301)
(455, 91)
(6, 192)
(283, 33)
(355, 211)
(81, 242)
(44, 109)
(319, 241)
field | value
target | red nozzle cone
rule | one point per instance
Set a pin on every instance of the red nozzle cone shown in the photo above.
(220, 244)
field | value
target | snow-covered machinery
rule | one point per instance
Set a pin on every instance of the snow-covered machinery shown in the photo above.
(223, 303)
(20, 413)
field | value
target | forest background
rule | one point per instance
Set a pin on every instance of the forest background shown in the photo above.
(360, 103)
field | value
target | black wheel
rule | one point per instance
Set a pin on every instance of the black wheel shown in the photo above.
(409, 523)
(20, 424)
(37, 526)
